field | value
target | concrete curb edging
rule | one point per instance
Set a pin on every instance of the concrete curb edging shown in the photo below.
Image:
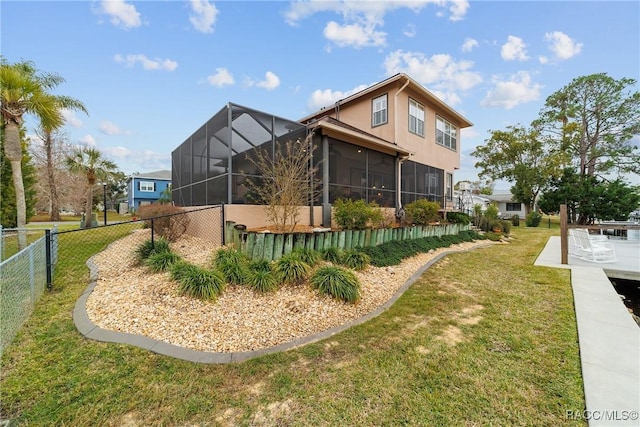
(91, 331)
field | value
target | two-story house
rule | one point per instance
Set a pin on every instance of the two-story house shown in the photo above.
(146, 188)
(392, 143)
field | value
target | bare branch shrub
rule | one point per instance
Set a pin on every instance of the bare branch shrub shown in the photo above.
(169, 221)
(287, 181)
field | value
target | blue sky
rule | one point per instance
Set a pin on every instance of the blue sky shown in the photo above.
(152, 72)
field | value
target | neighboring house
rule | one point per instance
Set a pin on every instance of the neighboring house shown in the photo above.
(506, 206)
(392, 143)
(466, 201)
(146, 188)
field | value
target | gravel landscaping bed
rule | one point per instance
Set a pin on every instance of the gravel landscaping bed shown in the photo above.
(129, 298)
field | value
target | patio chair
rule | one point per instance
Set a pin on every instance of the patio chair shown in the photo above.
(591, 248)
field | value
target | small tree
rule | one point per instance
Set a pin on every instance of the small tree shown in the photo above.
(287, 181)
(90, 163)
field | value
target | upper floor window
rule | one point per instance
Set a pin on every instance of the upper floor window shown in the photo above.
(446, 133)
(147, 186)
(379, 111)
(416, 118)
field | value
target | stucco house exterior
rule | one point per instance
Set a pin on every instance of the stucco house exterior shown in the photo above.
(393, 142)
(146, 188)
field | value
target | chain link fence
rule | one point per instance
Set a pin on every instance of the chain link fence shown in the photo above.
(60, 259)
(23, 278)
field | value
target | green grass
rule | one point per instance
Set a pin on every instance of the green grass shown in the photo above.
(483, 338)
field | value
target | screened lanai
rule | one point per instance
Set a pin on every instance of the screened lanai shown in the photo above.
(212, 165)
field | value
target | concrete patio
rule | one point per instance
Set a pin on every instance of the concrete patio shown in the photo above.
(609, 338)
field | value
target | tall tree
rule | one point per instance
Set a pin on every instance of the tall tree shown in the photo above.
(24, 91)
(46, 135)
(90, 163)
(522, 156)
(8, 217)
(589, 197)
(593, 119)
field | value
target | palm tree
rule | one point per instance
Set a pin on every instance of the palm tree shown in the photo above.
(24, 91)
(90, 162)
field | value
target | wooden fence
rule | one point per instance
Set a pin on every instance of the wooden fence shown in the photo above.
(271, 246)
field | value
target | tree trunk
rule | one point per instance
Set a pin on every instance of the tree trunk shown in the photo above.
(13, 152)
(53, 193)
(89, 207)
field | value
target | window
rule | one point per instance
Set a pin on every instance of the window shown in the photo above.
(446, 133)
(513, 207)
(379, 111)
(416, 118)
(147, 186)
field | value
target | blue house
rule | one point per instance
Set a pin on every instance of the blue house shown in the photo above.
(146, 188)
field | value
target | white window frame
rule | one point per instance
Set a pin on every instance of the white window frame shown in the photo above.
(416, 117)
(379, 111)
(147, 186)
(446, 134)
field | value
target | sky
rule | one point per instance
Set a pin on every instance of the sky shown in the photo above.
(152, 72)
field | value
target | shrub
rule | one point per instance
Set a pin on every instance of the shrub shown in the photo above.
(355, 260)
(506, 226)
(356, 214)
(198, 282)
(338, 282)
(262, 281)
(422, 211)
(533, 219)
(233, 264)
(161, 261)
(494, 237)
(515, 220)
(458, 218)
(310, 256)
(333, 255)
(168, 221)
(491, 212)
(290, 268)
(260, 265)
(148, 248)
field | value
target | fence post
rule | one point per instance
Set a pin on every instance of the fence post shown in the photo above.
(47, 242)
(153, 245)
(224, 238)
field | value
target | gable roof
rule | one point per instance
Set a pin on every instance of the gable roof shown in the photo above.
(161, 174)
(463, 122)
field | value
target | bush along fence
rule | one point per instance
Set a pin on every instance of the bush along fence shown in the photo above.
(271, 246)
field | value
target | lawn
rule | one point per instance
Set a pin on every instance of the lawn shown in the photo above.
(483, 338)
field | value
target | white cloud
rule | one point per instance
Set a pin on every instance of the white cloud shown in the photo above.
(563, 46)
(410, 31)
(109, 128)
(440, 72)
(204, 16)
(469, 44)
(221, 78)
(514, 49)
(362, 19)
(88, 140)
(147, 64)
(356, 35)
(122, 14)
(518, 89)
(325, 97)
(270, 82)
(118, 152)
(71, 119)
(543, 59)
